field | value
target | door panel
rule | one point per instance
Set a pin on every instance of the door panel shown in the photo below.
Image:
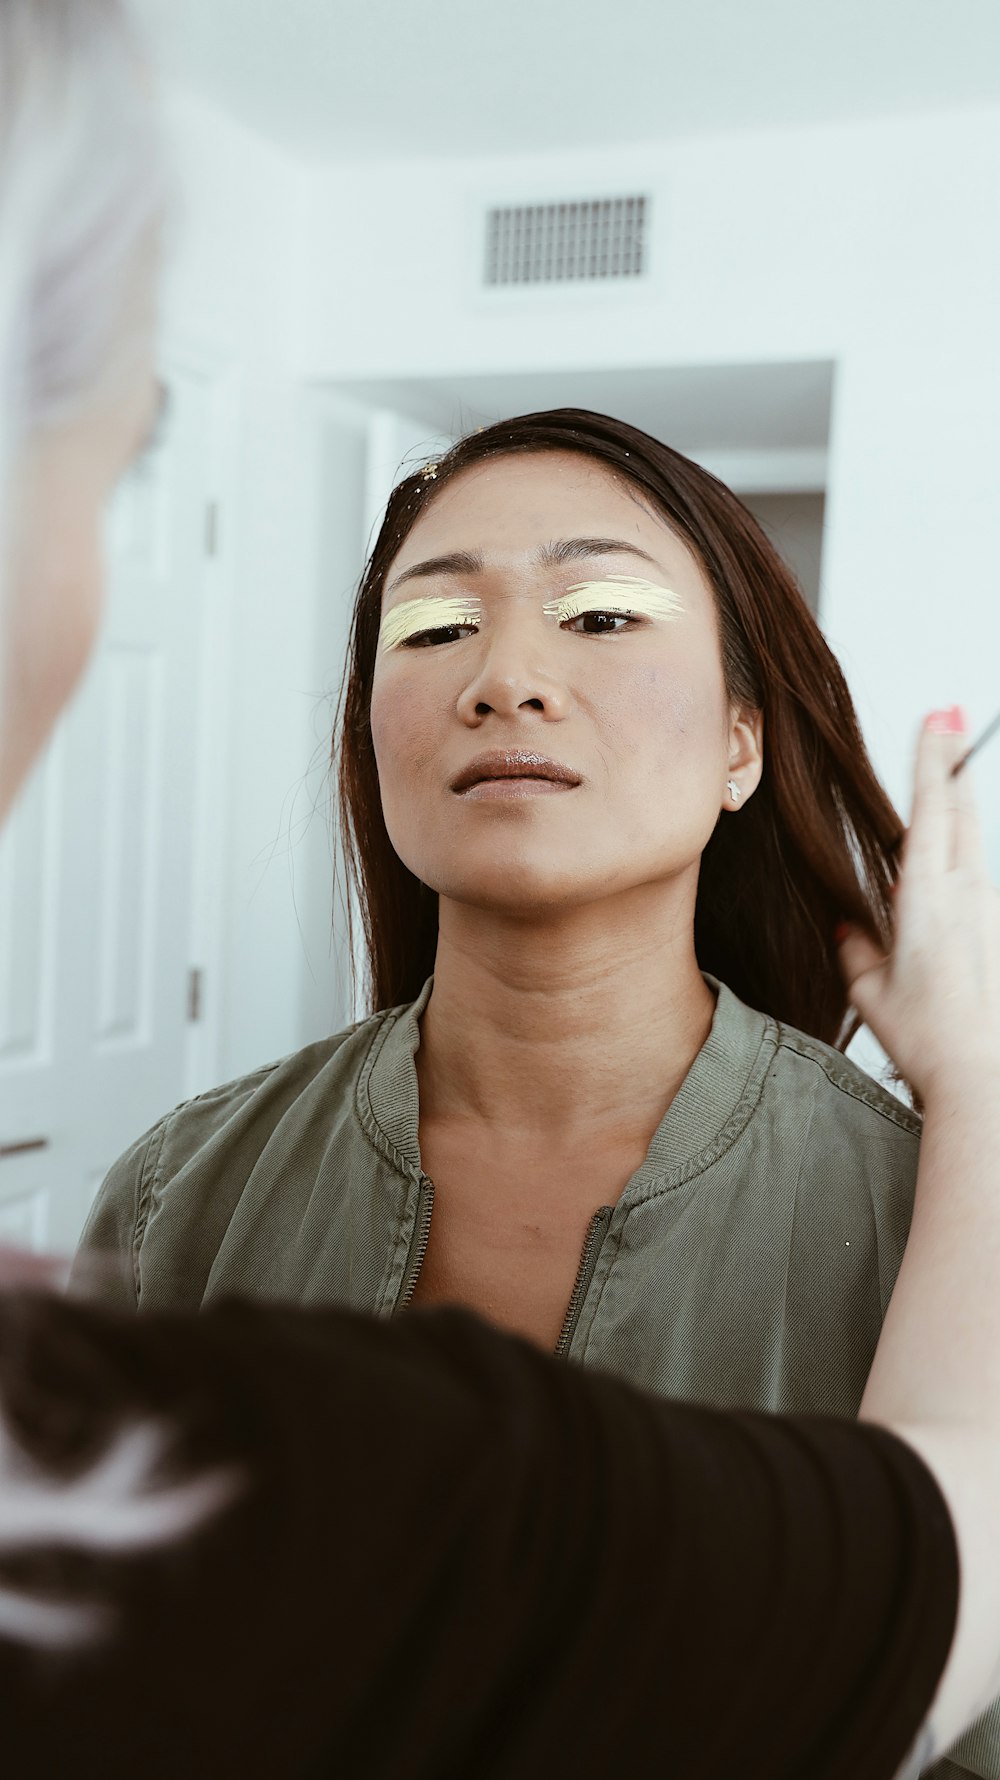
(96, 869)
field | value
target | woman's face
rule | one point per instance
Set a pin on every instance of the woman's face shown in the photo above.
(632, 711)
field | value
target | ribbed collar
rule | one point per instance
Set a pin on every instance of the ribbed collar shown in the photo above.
(714, 1101)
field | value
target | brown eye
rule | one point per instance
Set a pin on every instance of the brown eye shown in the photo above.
(443, 633)
(599, 624)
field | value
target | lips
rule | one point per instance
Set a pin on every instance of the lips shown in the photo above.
(513, 764)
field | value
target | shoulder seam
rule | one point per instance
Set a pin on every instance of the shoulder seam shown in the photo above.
(872, 1095)
(250, 1081)
(147, 1177)
(253, 1078)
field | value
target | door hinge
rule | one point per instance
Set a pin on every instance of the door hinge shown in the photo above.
(212, 529)
(195, 985)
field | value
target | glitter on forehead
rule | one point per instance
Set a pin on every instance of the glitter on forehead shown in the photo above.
(628, 594)
(413, 616)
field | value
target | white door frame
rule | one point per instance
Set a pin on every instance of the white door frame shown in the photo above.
(193, 356)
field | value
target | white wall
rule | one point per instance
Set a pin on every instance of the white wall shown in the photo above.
(870, 244)
(238, 265)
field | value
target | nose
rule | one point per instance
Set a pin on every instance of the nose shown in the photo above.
(510, 677)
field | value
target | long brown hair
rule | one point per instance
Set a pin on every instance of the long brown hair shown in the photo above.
(812, 847)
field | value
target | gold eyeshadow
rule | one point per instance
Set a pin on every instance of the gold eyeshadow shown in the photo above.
(415, 616)
(628, 595)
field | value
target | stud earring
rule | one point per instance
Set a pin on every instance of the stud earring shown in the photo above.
(734, 790)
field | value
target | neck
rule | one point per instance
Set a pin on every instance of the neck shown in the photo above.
(582, 1024)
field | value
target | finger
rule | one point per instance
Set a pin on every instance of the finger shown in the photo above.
(969, 851)
(858, 956)
(929, 845)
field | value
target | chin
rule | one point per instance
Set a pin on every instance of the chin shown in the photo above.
(512, 888)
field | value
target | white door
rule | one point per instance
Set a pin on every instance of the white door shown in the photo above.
(97, 867)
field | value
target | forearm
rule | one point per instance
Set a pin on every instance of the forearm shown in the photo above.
(938, 1359)
(935, 1380)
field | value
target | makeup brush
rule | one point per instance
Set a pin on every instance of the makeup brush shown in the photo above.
(990, 730)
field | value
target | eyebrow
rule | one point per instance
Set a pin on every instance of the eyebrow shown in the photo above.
(563, 550)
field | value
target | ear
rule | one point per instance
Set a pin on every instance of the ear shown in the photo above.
(746, 755)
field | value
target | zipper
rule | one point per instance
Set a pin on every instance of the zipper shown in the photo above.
(593, 1242)
(422, 1236)
(597, 1229)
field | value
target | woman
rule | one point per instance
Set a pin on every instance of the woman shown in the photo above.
(612, 1118)
(440, 1549)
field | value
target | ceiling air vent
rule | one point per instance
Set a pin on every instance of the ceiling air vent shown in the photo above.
(592, 239)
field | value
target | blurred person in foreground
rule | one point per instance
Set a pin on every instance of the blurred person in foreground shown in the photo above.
(288, 1542)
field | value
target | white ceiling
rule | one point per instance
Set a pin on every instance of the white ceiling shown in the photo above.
(370, 79)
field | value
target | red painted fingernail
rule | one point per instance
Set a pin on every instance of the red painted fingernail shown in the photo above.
(841, 932)
(893, 888)
(953, 721)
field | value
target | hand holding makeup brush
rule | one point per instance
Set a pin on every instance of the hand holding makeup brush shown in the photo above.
(934, 1001)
